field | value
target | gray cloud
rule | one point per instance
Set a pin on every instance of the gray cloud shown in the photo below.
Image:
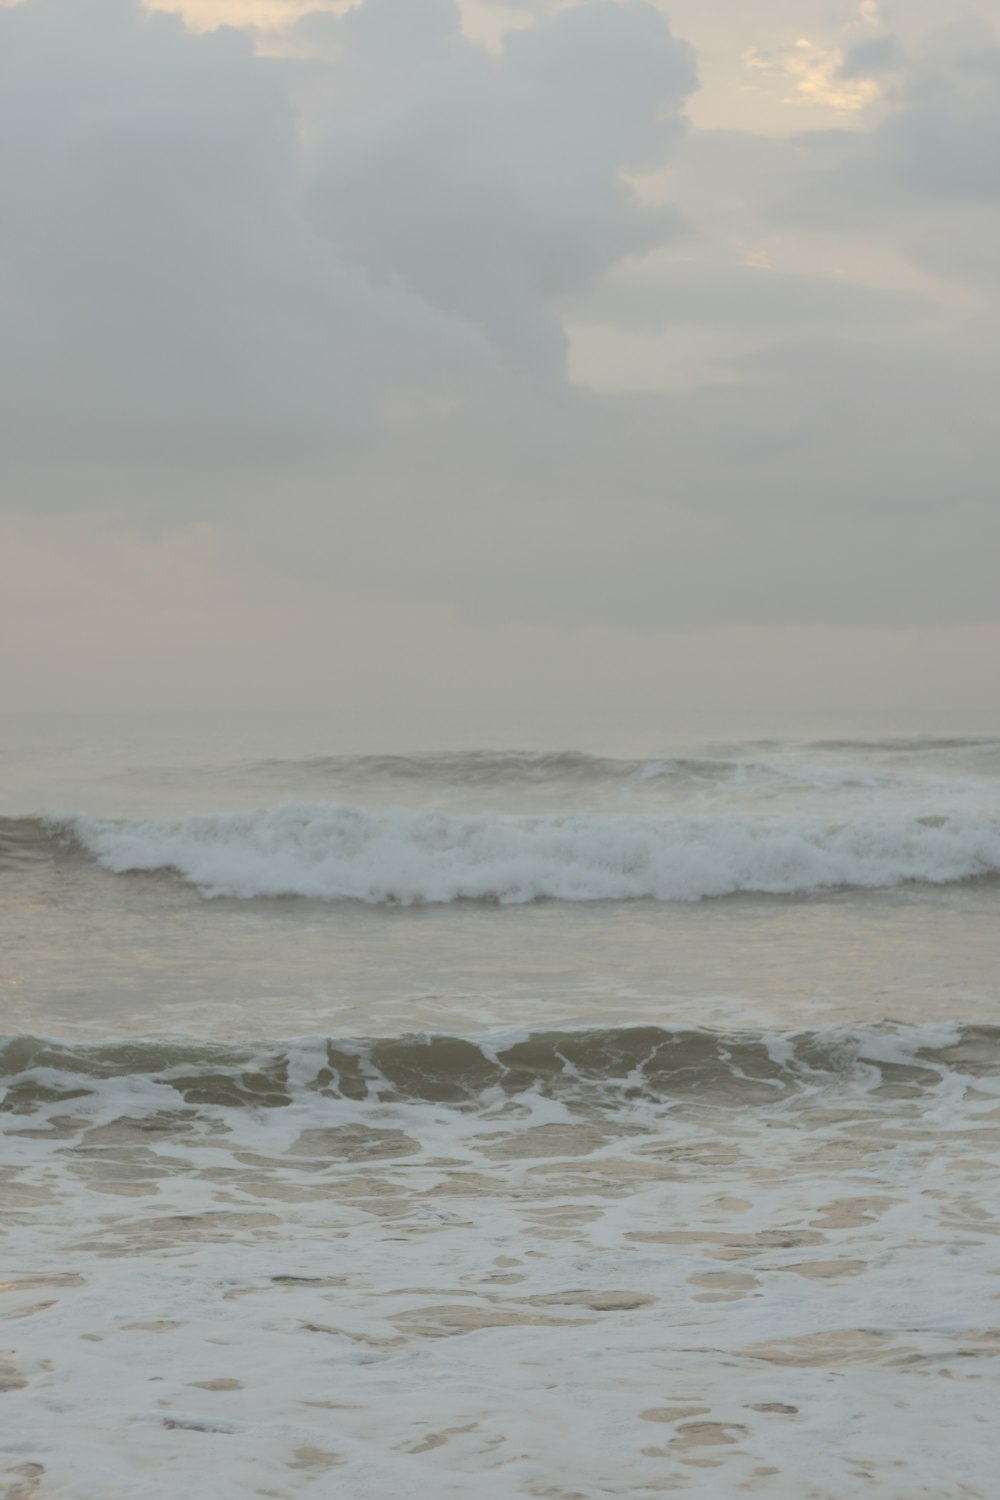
(492, 184)
(936, 148)
(325, 304)
(870, 56)
(658, 293)
(163, 292)
(944, 139)
(185, 274)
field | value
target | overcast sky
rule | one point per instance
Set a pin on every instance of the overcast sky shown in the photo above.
(475, 353)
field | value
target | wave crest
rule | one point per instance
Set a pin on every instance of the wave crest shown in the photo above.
(402, 857)
(606, 1065)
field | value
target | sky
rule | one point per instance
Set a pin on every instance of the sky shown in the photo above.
(458, 353)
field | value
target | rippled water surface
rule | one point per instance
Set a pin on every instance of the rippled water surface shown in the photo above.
(497, 1111)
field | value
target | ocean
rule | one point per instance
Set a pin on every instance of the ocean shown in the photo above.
(513, 1107)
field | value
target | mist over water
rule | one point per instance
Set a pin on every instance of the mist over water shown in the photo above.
(371, 1115)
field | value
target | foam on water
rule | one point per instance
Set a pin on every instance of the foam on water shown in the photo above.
(649, 1262)
(585, 1067)
(418, 1255)
(403, 857)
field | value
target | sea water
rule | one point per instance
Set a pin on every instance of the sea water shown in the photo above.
(499, 1108)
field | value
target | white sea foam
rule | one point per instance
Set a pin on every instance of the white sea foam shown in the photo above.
(280, 1218)
(400, 856)
(372, 1296)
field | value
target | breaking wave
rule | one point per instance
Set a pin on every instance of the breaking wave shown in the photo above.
(604, 1066)
(402, 857)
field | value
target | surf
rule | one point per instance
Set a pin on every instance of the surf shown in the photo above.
(403, 857)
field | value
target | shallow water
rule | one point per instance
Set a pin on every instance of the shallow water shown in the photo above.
(543, 1197)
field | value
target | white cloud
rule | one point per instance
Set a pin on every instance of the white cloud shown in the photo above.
(817, 74)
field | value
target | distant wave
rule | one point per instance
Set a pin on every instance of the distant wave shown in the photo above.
(912, 744)
(402, 857)
(495, 767)
(756, 764)
(618, 1062)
